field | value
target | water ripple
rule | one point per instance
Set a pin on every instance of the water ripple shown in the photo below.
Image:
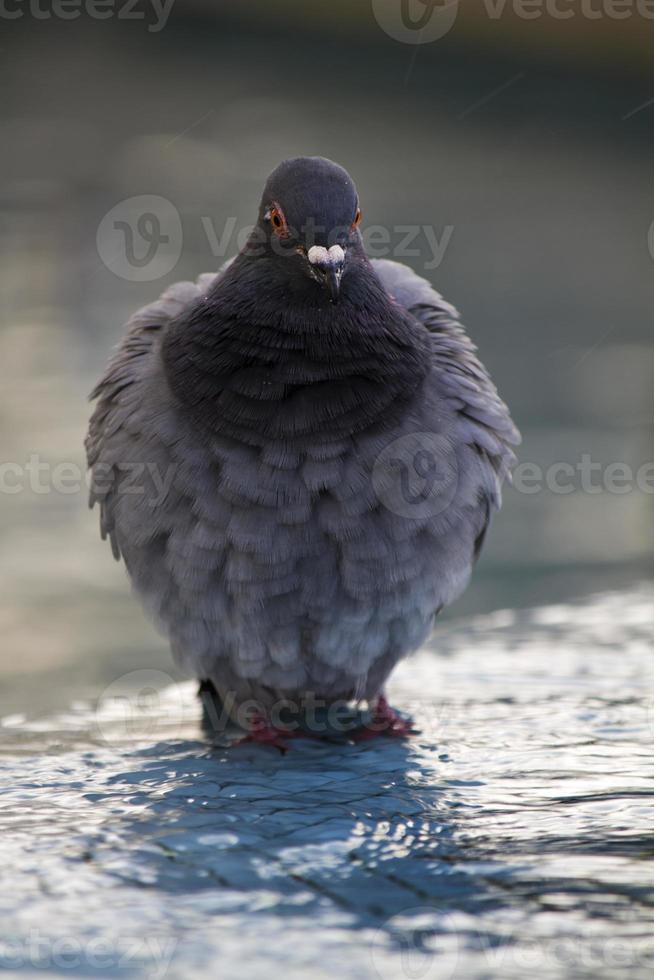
(513, 835)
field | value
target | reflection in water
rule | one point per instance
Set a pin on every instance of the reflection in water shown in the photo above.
(513, 833)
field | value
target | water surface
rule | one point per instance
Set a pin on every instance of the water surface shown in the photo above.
(513, 835)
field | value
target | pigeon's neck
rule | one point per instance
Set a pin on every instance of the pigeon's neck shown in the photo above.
(257, 362)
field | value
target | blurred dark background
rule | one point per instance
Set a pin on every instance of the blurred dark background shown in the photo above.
(524, 145)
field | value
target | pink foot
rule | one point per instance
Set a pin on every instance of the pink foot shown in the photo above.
(385, 721)
(263, 733)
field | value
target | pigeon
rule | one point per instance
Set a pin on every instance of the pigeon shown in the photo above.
(298, 458)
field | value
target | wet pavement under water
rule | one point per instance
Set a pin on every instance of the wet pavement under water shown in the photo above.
(512, 835)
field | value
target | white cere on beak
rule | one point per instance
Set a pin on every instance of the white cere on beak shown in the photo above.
(319, 255)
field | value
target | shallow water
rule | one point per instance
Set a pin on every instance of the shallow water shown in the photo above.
(512, 836)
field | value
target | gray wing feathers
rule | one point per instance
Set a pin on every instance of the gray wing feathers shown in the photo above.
(483, 417)
(224, 554)
(119, 430)
(482, 425)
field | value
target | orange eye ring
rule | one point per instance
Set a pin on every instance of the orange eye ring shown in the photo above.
(277, 220)
(357, 219)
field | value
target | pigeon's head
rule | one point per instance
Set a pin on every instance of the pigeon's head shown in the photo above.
(308, 219)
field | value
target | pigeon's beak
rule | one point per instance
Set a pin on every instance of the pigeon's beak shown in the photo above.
(334, 275)
(327, 265)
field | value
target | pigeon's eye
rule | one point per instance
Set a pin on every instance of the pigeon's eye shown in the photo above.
(357, 218)
(278, 221)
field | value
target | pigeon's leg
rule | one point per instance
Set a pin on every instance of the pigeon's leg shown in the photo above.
(396, 724)
(385, 721)
(214, 715)
(262, 732)
(215, 720)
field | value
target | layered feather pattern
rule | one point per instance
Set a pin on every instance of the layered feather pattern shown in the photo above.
(296, 501)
